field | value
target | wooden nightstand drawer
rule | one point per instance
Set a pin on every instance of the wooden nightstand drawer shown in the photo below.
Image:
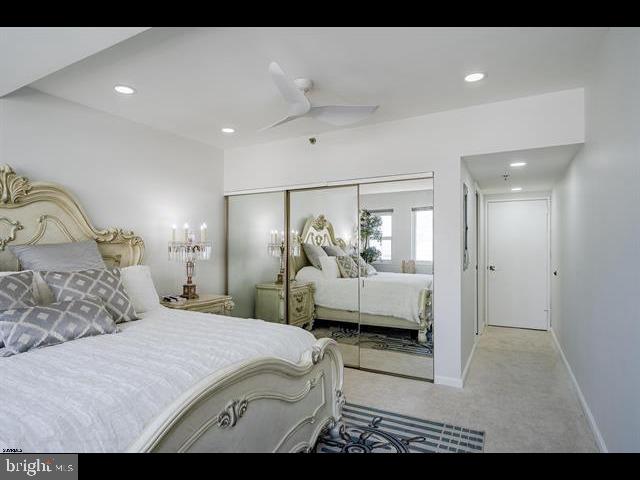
(300, 305)
(270, 304)
(207, 303)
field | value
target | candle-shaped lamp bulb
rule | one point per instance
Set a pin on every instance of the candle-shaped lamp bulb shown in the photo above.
(173, 232)
(203, 232)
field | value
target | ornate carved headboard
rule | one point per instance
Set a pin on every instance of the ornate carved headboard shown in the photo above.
(318, 231)
(39, 212)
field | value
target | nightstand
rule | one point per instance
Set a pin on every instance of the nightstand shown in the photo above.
(270, 303)
(206, 303)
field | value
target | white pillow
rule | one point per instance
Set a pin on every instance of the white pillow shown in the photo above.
(329, 267)
(309, 274)
(139, 286)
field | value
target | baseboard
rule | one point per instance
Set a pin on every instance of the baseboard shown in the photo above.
(454, 381)
(448, 381)
(465, 372)
(583, 401)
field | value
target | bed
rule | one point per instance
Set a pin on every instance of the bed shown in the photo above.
(393, 300)
(173, 381)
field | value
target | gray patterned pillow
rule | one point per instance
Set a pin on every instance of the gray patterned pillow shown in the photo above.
(347, 267)
(365, 268)
(313, 253)
(16, 291)
(24, 329)
(104, 283)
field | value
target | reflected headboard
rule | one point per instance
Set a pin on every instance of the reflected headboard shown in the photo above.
(39, 212)
(318, 231)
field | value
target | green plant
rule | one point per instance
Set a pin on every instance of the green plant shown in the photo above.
(370, 229)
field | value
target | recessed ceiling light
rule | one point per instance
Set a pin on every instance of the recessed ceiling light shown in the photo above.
(516, 189)
(517, 164)
(474, 77)
(124, 89)
(228, 130)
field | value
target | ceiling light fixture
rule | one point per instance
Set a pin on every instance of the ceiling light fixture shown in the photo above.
(474, 77)
(228, 130)
(517, 164)
(124, 89)
(516, 189)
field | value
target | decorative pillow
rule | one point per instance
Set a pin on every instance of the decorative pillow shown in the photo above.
(24, 329)
(329, 267)
(371, 270)
(16, 290)
(334, 251)
(105, 284)
(347, 267)
(313, 253)
(364, 266)
(59, 257)
(139, 285)
(41, 292)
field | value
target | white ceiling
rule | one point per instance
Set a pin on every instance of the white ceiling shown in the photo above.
(193, 81)
(28, 54)
(545, 166)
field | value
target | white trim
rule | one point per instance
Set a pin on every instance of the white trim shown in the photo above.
(465, 372)
(583, 401)
(448, 381)
(545, 197)
(334, 183)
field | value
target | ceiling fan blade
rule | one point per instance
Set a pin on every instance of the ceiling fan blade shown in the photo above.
(298, 102)
(286, 119)
(340, 115)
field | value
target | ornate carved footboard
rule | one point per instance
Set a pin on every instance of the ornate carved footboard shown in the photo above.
(426, 314)
(262, 405)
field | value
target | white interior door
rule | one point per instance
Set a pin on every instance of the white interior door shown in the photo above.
(518, 264)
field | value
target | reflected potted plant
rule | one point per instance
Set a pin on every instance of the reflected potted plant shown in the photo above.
(370, 229)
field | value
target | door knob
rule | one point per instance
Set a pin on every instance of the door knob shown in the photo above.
(492, 268)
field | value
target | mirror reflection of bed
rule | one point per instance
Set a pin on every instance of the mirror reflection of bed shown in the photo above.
(378, 308)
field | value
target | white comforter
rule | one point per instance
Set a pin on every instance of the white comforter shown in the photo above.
(386, 293)
(97, 394)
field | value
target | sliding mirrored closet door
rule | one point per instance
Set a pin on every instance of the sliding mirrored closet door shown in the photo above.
(255, 255)
(323, 268)
(396, 240)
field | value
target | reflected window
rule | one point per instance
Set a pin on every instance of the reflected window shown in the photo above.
(422, 227)
(384, 244)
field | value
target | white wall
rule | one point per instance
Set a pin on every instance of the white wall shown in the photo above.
(339, 205)
(124, 174)
(596, 244)
(430, 143)
(469, 290)
(401, 224)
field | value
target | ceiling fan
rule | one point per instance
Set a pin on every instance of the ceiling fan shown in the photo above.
(294, 92)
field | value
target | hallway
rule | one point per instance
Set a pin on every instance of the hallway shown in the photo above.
(518, 392)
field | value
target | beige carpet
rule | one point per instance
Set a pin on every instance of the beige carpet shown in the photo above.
(518, 392)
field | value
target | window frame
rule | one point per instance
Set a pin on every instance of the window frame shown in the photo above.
(388, 212)
(413, 235)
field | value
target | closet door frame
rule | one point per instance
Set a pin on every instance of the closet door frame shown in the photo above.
(355, 182)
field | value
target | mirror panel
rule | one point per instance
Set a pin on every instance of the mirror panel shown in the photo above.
(396, 331)
(252, 264)
(325, 221)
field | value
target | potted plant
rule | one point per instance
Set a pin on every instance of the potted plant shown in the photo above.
(370, 229)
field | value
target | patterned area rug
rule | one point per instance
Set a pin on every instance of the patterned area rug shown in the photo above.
(378, 339)
(370, 430)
